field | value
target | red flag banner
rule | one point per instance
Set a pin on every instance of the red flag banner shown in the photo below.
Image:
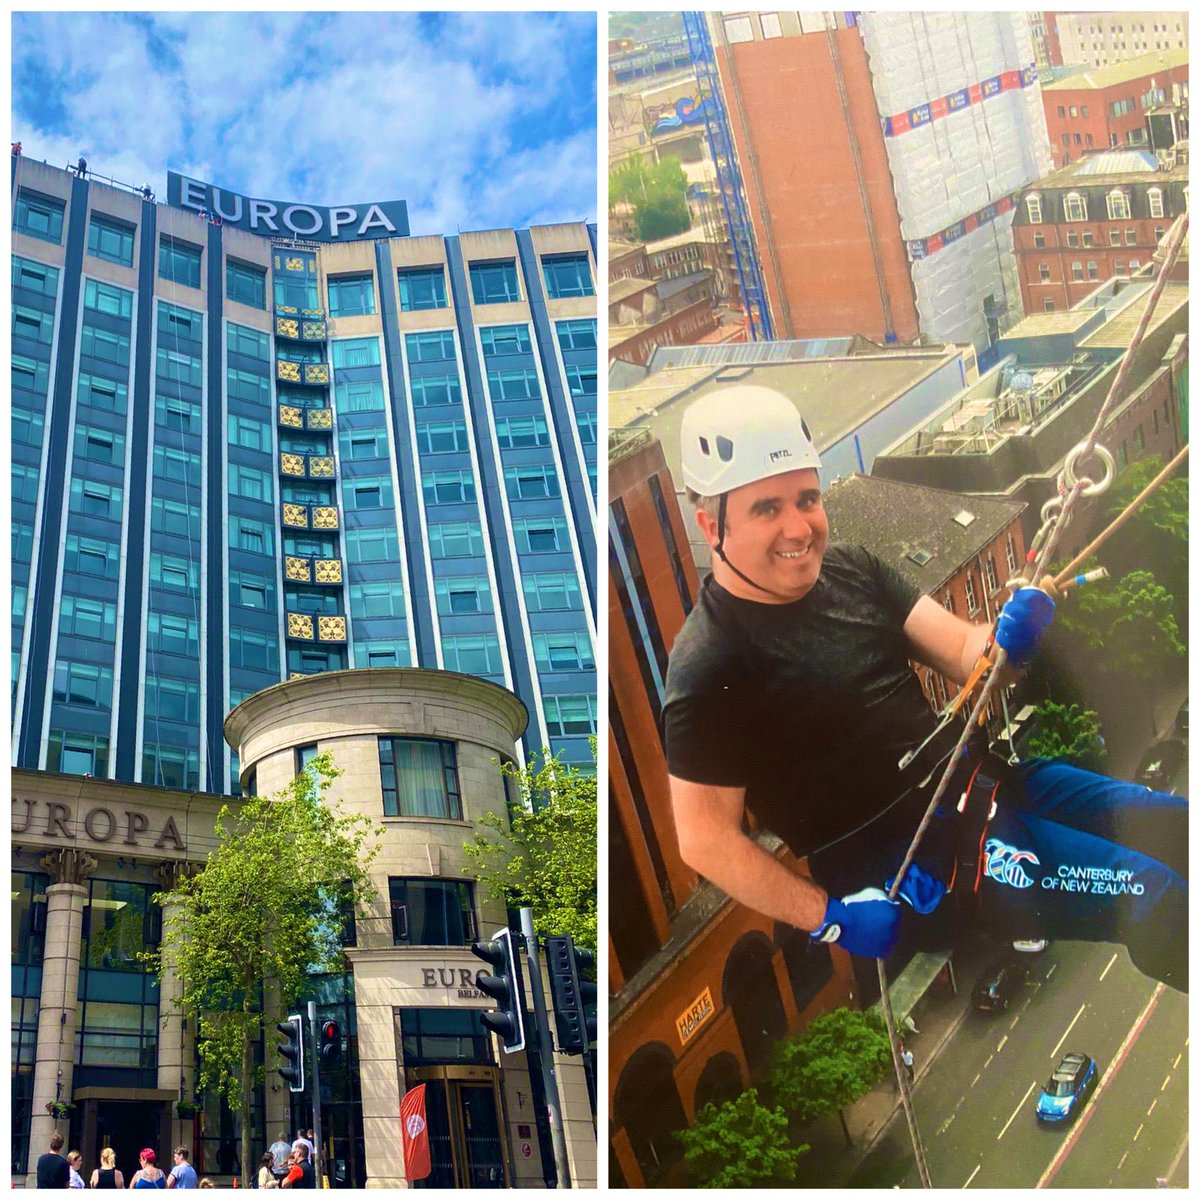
(416, 1134)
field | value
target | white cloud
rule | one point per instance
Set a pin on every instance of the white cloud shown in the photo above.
(462, 116)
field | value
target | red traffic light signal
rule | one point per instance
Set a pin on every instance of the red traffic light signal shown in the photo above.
(331, 1041)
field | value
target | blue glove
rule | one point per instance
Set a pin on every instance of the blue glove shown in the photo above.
(1021, 623)
(922, 891)
(866, 923)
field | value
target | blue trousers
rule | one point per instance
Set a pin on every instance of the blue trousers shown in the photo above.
(1069, 855)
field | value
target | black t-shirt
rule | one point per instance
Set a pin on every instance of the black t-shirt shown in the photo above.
(53, 1171)
(809, 706)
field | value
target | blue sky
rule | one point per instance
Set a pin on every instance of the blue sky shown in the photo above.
(478, 120)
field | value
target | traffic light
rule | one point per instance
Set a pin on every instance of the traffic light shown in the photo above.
(331, 1041)
(292, 1052)
(502, 985)
(572, 994)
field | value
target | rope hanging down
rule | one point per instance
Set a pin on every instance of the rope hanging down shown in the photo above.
(1056, 513)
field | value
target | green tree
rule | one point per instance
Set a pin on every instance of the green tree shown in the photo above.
(1130, 622)
(266, 907)
(835, 1061)
(658, 193)
(542, 854)
(740, 1144)
(1069, 732)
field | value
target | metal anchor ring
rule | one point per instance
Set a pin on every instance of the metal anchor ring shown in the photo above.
(1093, 487)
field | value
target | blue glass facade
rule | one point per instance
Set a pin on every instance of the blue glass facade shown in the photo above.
(237, 460)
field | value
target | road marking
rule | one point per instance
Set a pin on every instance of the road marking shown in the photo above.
(1165, 1082)
(972, 1176)
(1134, 1033)
(1052, 970)
(1014, 1021)
(1002, 1041)
(989, 1061)
(1153, 1103)
(947, 1122)
(1178, 1155)
(1139, 1132)
(976, 1079)
(1015, 1111)
(1068, 1030)
(1108, 968)
(1177, 1058)
(1123, 1158)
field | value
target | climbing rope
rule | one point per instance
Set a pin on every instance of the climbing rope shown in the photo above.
(1071, 484)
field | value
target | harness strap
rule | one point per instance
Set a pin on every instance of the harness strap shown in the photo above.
(976, 808)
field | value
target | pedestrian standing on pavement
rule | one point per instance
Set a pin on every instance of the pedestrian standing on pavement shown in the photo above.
(304, 1140)
(791, 696)
(75, 1162)
(280, 1150)
(53, 1170)
(906, 1057)
(107, 1175)
(183, 1174)
(149, 1176)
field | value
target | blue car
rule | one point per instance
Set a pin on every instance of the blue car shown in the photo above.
(1068, 1089)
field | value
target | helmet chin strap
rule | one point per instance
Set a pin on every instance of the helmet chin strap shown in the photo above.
(719, 549)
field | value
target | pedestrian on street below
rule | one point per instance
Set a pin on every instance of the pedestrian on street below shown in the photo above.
(906, 1056)
(183, 1174)
(280, 1150)
(791, 696)
(75, 1162)
(107, 1175)
(53, 1170)
(266, 1172)
(301, 1174)
(149, 1176)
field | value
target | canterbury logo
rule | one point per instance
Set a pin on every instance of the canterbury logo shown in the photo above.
(1003, 863)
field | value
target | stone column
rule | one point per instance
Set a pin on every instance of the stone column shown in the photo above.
(54, 1063)
(176, 1034)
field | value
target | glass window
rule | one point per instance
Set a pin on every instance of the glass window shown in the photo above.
(249, 590)
(169, 634)
(86, 618)
(35, 276)
(173, 516)
(253, 435)
(514, 433)
(359, 494)
(110, 239)
(254, 651)
(172, 699)
(250, 342)
(430, 347)
(530, 483)
(361, 395)
(428, 390)
(33, 325)
(77, 753)
(519, 384)
(551, 590)
(381, 654)
(360, 444)
(1075, 207)
(250, 484)
(99, 445)
(563, 651)
(170, 766)
(495, 282)
(105, 345)
(1118, 205)
(245, 283)
(173, 573)
(245, 533)
(351, 295)
(422, 288)
(25, 483)
(39, 216)
(505, 339)
(463, 594)
(82, 684)
(377, 599)
(26, 426)
(305, 755)
(567, 275)
(175, 367)
(472, 654)
(581, 381)
(372, 545)
(576, 335)
(356, 352)
(177, 465)
(432, 912)
(420, 778)
(442, 437)
(92, 556)
(570, 716)
(178, 415)
(1156, 203)
(540, 535)
(448, 487)
(456, 539)
(179, 261)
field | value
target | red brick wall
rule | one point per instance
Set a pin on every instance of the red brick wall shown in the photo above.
(683, 329)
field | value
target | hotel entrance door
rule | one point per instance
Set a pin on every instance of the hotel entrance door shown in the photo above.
(467, 1145)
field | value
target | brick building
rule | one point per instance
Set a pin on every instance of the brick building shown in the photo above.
(1089, 221)
(1107, 106)
(635, 343)
(701, 987)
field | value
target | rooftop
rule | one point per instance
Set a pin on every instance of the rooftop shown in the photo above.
(1112, 166)
(686, 238)
(622, 289)
(1121, 72)
(925, 533)
(1118, 333)
(618, 246)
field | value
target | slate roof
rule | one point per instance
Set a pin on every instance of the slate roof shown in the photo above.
(894, 520)
(1108, 76)
(1053, 190)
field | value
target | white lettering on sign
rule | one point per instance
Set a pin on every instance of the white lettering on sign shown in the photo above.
(699, 1011)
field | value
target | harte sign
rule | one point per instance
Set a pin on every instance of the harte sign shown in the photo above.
(283, 218)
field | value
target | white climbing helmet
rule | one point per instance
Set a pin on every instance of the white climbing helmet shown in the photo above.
(741, 434)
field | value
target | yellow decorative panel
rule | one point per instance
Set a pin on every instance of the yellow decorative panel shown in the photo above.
(298, 570)
(314, 331)
(319, 313)
(320, 467)
(331, 629)
(295, 516)
(288, 371)
(319, 418)
(292, 417)
(316, 373)
(287, 327)
(298, 675)
(294, 264)
(325, 517)
(300, 625)
(329, 570)
(291, 464)
(285, 308)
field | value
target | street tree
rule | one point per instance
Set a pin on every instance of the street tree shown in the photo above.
(838, 1059)
(542, 853)
(265, 911)
(740, 1144)
(658, 193)
(1069, 732)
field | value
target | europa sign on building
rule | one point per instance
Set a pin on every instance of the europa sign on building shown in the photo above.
(281, 218)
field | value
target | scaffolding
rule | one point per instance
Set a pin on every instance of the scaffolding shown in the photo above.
(729, 178)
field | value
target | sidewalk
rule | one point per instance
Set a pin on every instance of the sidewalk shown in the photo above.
(830, 1162)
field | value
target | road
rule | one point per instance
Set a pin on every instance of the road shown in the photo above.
(975, 1106)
